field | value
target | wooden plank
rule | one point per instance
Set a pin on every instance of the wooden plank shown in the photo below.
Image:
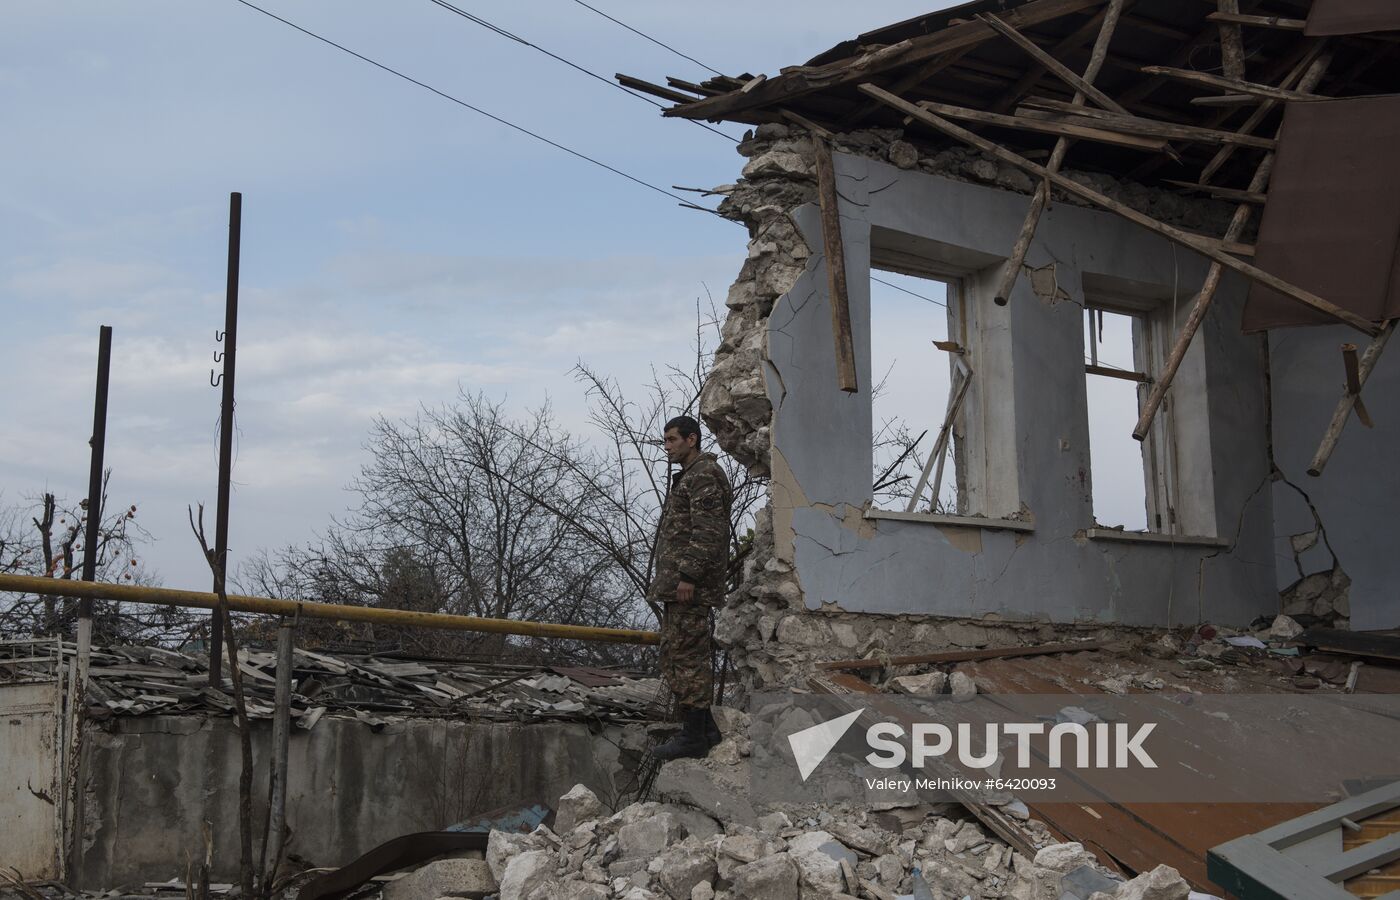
(1226, 100)
(799, 82)
(657, 90)
(915, 78)
(1230, 85)
(1201, 302)
(835, 252)
(1257, 117)
(1117, 373)
(1068, 112)
(1255, 197)
(940, 445)
(1051, 64)
(1259, 21)
(1352, 643)
(692, 87)
(1191, 241)
(1084, 130)
(946, 656)
(1349, 400)
(1231, 41)
(1011, 269)
(1036, 72)
(812, 127)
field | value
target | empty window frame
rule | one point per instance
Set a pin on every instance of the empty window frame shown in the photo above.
(922, 378)
(1163, 483)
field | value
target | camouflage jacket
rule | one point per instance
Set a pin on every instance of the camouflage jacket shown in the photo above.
(692, 539)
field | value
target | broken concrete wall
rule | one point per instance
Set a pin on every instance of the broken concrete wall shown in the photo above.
(151, 782)
(822, 550)
(1335, 534)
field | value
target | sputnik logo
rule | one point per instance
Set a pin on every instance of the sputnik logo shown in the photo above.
(811, 745)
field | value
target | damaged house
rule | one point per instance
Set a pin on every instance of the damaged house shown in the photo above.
(1195, 202)
(1221, 186)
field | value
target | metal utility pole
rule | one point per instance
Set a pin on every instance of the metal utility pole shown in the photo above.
(78, 675)
(98, 443)
(230, 340)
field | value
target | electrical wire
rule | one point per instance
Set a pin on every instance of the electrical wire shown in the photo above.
(909, 292)
(573, 65)
(478, 110)
(649, 37)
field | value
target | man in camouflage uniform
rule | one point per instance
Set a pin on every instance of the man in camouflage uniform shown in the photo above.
(691, 565)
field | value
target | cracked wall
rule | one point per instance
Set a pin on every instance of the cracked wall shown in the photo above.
(1334, 534)
(823, 565)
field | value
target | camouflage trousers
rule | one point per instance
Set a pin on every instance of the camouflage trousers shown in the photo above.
(686, 663)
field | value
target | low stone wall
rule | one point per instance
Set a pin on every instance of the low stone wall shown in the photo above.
(151, 783)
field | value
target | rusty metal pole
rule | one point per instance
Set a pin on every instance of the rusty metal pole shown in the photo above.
(77, 695)
(230, 340)
(98, 443)
(311, 609)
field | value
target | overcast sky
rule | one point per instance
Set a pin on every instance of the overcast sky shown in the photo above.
(396, 246)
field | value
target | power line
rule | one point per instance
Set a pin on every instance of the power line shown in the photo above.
(649, 37)
(573, 65)
(477, 109)
(909, 292)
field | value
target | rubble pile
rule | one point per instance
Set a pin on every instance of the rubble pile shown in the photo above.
(668, 850)
(658, 850)
(703, 840)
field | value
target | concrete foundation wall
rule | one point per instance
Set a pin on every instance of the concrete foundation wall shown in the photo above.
(1355, 500)
(148, 785)
(821, 452)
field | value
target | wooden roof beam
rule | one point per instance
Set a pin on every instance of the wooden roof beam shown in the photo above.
(784, 89)
(1011, 270)
(1259, 21)
(1027, 81)
(1086, 129)
(1190, 241)
(1231, 85)
(1051, 64)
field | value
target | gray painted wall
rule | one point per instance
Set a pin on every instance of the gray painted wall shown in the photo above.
(149, 786)
(822, 453)
(1357, 496)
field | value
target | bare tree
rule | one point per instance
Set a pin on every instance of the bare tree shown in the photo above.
(463, 510)
(467, 509)
(45, 537)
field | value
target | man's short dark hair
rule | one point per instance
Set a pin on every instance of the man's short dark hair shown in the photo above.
(686, 426)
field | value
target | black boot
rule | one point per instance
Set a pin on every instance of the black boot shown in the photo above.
(712, 732)
(694, 741)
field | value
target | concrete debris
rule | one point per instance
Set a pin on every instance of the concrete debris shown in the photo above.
(470, 878)
(1284, 628)
(525, 874)
(675, 851)
(1162, 883)
(577, 806)
(1084, 882)
(961, 686)
(926, 685)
